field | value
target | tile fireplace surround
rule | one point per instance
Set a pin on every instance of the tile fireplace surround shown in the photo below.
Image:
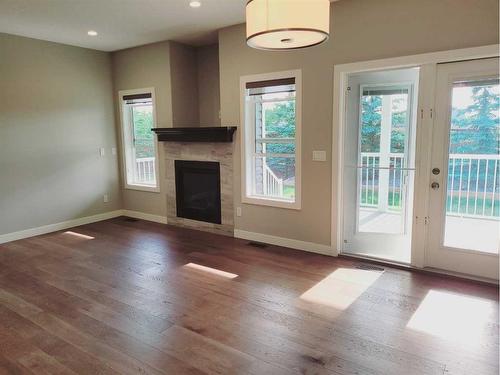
(221, 152)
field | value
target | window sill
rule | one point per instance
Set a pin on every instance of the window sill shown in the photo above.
(147, 188)
(271, 202)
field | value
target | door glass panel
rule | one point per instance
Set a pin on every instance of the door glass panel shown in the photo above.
(472, 200)
(383, 159)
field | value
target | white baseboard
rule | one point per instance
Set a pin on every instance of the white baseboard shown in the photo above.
(252, 236)
(285, 242)
(14, 236)
(143, 216)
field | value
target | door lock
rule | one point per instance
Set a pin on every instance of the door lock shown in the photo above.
(436, 171)
(435, 185)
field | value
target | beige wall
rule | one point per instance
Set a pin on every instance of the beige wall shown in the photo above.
(141, 67)
(184, 78)
(208, 85)
(361, 30)
(56, 111)
(183, 96)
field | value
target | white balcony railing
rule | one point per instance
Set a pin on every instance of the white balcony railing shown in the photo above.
(473, 184)
(145, 171)
(382, 187)
(272, 184)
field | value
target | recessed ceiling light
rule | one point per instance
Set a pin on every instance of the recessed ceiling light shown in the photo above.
(195, 4)
(92, 33)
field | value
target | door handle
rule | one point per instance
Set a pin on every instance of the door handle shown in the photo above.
(435, 185)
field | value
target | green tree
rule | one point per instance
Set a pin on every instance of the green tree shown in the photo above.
(144, 138)
(280, 120)
(474, 129)
(371, 120)
(280, 123)
(399, 124)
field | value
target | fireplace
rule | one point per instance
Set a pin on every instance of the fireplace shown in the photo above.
(198, 190)
(215, 154)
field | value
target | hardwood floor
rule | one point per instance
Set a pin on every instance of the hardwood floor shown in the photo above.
(133, 297)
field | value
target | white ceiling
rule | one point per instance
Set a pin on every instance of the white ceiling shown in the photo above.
(120, 23)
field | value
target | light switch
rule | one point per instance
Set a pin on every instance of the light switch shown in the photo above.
(102, 151)
(113, 150)
(319, 155)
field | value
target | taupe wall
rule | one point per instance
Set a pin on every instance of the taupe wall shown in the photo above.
(361, 30)
(141, 67)
(56, 111)
(208, 85)
(184, 78)
(184, 95)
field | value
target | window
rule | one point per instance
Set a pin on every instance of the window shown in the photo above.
(139, 143)
(271, 107)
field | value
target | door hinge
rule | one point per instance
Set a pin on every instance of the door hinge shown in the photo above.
(422, 111)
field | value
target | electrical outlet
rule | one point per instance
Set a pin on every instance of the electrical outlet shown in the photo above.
(238, 211)
(105, 198)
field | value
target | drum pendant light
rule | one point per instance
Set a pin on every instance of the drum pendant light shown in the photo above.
(287, 24)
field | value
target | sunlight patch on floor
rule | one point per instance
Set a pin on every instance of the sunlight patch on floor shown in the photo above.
(341, 288)
(79, 235)
(210, 270)
(452, 316)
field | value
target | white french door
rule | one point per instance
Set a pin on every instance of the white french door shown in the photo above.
(464, 199)
(379, 163)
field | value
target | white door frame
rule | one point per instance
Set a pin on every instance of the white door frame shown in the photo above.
(427, 63)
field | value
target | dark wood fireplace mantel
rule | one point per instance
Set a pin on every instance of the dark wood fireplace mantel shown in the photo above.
(200, 134)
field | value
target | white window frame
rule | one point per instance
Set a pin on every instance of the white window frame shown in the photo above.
(135, 186)
(247, 141)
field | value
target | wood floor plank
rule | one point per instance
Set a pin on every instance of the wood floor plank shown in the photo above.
(40, 362)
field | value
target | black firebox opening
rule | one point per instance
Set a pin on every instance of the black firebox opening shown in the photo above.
(197, 185)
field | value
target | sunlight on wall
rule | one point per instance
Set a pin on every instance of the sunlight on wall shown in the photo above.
(213, 271)
(341, 288)
(79, 235)
(452, 316)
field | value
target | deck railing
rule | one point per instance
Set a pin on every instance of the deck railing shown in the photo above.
(272, 184)
(473, 184)
(145, 170)
(373, 176)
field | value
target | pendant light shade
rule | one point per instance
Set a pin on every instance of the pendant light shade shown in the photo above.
(287, 24)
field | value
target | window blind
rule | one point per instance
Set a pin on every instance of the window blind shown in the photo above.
(138, 98)
(271, 86)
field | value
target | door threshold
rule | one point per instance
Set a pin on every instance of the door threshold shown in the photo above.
(377, 260)
(458, 275)
(426, 270)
